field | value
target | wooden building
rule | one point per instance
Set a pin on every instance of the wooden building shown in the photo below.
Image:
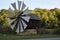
(33, 25)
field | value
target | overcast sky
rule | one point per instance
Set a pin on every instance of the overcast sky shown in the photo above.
(5, 4)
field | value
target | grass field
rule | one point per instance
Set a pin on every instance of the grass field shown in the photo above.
(18, 37)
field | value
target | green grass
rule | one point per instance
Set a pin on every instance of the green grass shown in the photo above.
(18, 37)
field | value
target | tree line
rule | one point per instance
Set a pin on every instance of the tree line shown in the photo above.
(50, 18)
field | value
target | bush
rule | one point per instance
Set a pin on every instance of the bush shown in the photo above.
(46, 31)
(43, 31)
(57, 31)
(6, 30)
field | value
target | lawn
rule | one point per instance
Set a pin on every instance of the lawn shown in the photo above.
(18, 37)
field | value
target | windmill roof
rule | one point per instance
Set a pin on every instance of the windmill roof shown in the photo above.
(33, 16)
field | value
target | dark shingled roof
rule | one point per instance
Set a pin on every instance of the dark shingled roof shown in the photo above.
(34, 17)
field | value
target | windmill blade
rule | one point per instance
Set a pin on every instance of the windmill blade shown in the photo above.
(16, 26)
(23, 6)
(26, 12)
(19, 4)
(14, 5)
(10, 21)
(24, 24)
(26, 18)
(24, 21)
(17, 30)
(21, 27)
(12, 27)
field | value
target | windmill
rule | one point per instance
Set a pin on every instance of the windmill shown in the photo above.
(19, 22)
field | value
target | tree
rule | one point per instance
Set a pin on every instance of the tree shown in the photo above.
(3, 17)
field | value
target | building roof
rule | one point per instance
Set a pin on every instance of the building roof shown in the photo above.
(34, 17)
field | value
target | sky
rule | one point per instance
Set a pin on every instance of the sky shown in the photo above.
(48, 4)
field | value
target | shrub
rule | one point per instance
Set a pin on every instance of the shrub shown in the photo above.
(57, 31)
(6, 30)
(46, 31)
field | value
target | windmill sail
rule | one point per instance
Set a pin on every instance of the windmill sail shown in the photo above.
(23, 6)
(24, 24)
(14, 5)
(13, 26)
(26, 18)
(22, 29)
(19, 4)
(17, 30)
(26, 12)
(10, 21)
